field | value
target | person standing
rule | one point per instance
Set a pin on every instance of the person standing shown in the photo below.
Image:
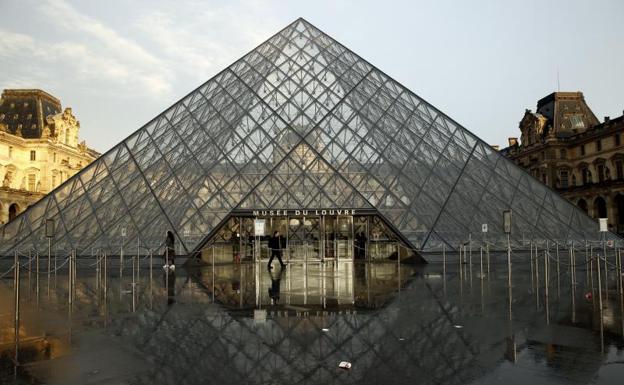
(360, 245)
(275, 245)
(169, 251)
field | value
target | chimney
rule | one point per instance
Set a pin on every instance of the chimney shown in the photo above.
(496, 147)
(512, 142)
(607, 119)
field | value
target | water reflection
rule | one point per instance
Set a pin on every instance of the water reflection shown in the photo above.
(313, 285)
(394, 323)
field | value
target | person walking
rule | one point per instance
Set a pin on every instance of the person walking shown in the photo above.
(275, 245)
(169, 251)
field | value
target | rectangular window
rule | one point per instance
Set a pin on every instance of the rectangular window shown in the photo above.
(585, 176)
(10, 152)
(54, 157)
(582, 149)
(618, 169)
(563, 179)
(32, 180)
(33, 155)
(576, 122)
(616, 139)
(598, 145)
(562, 153)
(544, 178)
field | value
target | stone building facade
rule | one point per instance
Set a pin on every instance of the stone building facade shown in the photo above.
(565, 146)
(39, 148)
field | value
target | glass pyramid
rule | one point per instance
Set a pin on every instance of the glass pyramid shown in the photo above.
(300, 121)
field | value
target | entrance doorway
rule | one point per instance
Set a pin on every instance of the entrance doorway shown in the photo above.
(305, 238)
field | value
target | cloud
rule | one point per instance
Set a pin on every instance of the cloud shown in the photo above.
(11, 42)
(172, 44)
(209, 38)
(91, 52)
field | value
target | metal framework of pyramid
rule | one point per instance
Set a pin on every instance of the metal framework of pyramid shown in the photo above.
(300, 121)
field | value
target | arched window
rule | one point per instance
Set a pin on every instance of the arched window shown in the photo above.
(582, 204)
(600, 208)
(563, 178)
(619, 207)
(13, 211)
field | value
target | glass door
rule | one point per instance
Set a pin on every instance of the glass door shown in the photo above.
(304, 238)
(344, 237)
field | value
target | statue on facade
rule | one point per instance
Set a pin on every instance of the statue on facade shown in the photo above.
(7, 179)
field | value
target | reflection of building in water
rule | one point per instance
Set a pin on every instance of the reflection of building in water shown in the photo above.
(309, 286)
(410, 340)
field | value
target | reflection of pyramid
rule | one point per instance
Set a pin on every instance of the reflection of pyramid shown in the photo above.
(354, 138)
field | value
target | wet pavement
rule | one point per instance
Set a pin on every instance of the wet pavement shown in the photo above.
(240, 324)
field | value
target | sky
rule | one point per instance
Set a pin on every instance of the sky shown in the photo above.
(120, 63)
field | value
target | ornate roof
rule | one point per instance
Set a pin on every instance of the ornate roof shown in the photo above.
(24, 111)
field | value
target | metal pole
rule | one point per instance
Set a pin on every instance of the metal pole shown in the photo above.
(617, 268)
(574, 264)
(16, 307)
(133, 284)
(606, 271)
(105, 277)
(151, 277)
(509, 274)
(587, 259)
(398, 268)
(621, 290)
(167, 286)
(444, 266)
(138, 277)
(572, 287)
(75, 272)
(97, 274)
(591, 269)
(70, 280)
(481, 261)
(536, 278)
(121, 258)
(600, 305)
(213, 274)
(532, 268)
(470, 264)
(558, 278)
(36, 272)
(461, 277)
(49, 263)
(29, 277)
(470, 248)
(546, 287)
(487, 251)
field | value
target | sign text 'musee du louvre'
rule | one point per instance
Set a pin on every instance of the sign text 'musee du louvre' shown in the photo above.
(283, 213)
